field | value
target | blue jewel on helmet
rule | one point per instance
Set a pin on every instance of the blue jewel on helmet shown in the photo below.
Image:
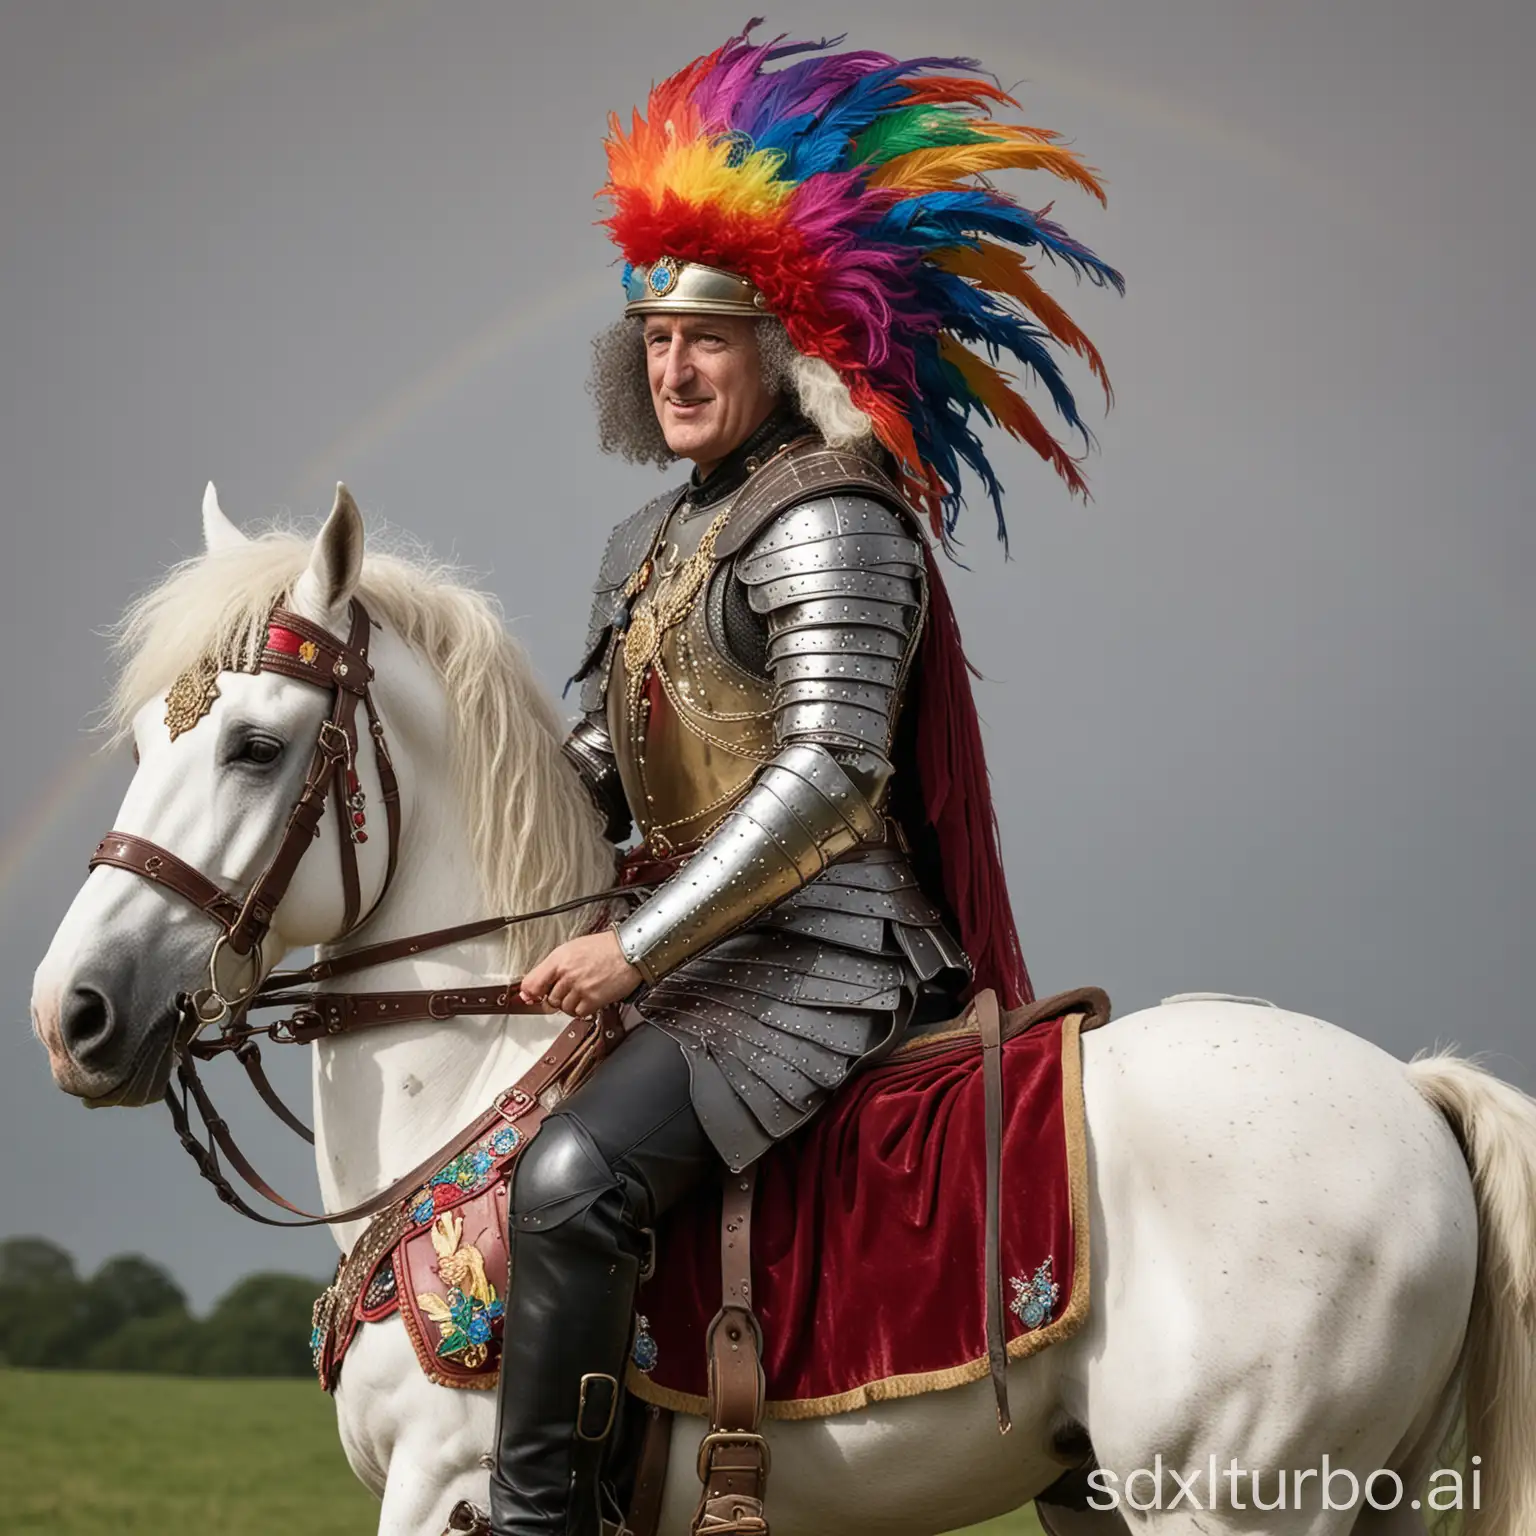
(662, 278)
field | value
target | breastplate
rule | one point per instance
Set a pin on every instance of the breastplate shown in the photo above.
(690, 726)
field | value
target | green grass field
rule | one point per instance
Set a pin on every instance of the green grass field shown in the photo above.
(83, 1455)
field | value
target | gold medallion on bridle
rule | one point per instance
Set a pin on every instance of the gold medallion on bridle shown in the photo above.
(191, 696)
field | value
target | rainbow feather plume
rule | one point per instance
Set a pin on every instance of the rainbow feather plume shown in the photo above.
(851, 189)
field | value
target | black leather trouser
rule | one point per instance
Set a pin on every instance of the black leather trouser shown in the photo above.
(602, 1169)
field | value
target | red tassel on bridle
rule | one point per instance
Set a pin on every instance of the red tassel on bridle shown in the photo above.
(957, 798)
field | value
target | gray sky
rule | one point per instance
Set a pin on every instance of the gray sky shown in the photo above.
(1261, 718)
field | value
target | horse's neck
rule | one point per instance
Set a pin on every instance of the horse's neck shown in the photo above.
(386, 1098)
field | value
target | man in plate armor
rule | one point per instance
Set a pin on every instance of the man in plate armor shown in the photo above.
(773, 693)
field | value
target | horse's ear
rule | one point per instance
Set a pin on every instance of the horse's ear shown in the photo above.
(218, 532)
(335, 564)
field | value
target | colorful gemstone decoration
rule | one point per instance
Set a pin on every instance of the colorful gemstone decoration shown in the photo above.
(466, 1174)
(381, 1288)
(469, 1170)
(646, 1351)
(357, 803)
(663, 278)
(1034, 1300)
(320, 1319)
(465, 1314)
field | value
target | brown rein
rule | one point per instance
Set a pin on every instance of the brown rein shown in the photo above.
(299, 649)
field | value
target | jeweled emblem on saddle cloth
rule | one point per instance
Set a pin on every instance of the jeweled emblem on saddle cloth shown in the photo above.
(1034, 1300)
(465, 1314)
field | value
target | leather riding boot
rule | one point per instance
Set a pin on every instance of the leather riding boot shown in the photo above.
(570, 1307)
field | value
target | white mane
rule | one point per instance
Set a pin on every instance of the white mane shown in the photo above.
(534, 831)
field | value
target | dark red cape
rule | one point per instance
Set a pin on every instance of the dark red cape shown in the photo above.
(956, 801)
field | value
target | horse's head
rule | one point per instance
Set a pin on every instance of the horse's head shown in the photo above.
(223, 753)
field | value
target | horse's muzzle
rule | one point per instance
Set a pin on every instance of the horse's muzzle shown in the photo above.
(99, 1059)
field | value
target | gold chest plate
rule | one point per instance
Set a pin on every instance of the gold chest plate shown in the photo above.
(690, 727)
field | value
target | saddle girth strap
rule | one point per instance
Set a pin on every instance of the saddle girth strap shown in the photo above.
(989, 1024)
(644, 1516)
(733, 1456)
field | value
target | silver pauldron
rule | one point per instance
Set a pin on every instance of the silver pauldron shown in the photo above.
(844, 602)
(840, 582)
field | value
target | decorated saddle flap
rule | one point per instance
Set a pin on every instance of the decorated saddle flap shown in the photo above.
(440, 1259)
(867, 1234)
(867, 1238)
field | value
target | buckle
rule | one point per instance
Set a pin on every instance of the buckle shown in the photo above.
(333, 740)
(722, 1437)
(604, 1396)
(469, 1519)
(303, 1027)
(521, 1102)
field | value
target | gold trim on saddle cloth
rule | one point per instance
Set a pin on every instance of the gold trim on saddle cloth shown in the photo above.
(914, 1384)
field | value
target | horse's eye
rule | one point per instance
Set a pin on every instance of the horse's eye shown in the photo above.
(261, 750)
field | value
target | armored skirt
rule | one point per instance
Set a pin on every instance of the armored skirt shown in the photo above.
(775, 1016)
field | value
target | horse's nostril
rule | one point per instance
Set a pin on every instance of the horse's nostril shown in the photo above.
(86, 1023)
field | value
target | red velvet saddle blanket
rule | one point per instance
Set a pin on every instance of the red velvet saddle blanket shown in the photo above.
(867, 1234)
(867, 1239)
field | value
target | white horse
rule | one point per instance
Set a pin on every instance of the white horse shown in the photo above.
(1306, 1256)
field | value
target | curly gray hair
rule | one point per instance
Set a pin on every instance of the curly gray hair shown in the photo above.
(626, 419)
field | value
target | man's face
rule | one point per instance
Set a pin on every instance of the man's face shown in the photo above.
(706, 383)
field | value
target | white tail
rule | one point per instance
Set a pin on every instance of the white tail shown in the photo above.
(1496, 1125)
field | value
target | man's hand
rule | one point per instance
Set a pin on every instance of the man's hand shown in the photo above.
(581, 976)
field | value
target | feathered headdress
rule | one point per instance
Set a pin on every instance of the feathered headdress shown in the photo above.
(848, 189)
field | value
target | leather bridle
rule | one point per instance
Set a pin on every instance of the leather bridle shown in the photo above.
(299, 649)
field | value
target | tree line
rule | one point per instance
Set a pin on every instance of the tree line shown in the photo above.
(130, 1315)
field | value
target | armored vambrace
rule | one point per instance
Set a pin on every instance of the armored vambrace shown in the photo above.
(840, 581)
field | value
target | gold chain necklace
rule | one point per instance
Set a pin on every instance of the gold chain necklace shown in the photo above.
(668, 602)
